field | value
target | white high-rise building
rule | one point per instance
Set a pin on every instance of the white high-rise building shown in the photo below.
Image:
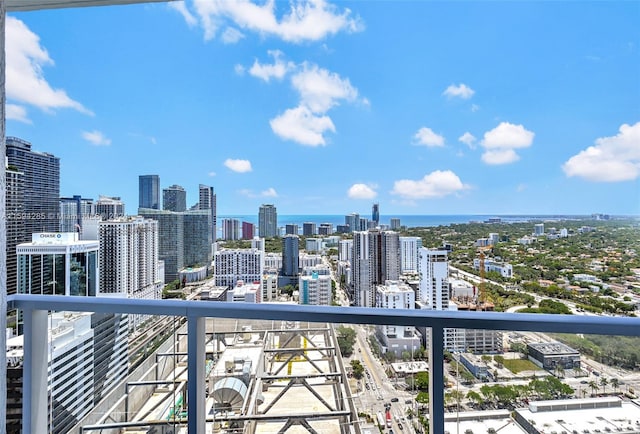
(409, 247)
(434, 278)
(233, 265)
(129, 260)
(230, 229)
(538, 229)
(361, 270)
(345, 250)
(315, 289)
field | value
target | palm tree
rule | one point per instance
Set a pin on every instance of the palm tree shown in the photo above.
(603, 383)
(594, 387)
(584, 392)
(615, 383)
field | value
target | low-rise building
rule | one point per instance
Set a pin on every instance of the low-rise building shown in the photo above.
(549, 355)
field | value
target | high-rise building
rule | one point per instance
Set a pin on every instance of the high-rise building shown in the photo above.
(149, 191)
(538, 229)
(325, 229)
(174, 198)
(128, 260)
(375, 259)
(208, 200)
(353, 221)
(309, 229)
(315, 290)
(73, 211)
(185, 239)
(38, 176)
(409, 247)
(394, 224)
(290, 260)
(434, 278)
(109, 207)
(267, 221)
(230, 229)
(15, 223)
(233, 265)
(375, 213)
(345, 250)
(291, 229)
(248, 230)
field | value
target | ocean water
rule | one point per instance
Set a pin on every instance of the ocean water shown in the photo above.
(410, 221)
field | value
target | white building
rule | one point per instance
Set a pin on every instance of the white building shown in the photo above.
(315, 289)
(526, 240)
(231, 229)
(245, 292)
(345, 250)
(306, 260)
(320, 269)
(409, 247)
(233, 265)
(314, 245)
(129, 260)
(272, 261)
(505, 269)
(269, 287)
(494, 238)
(396, 295)
(58, 263)
(538, 229)
(434, 278)
(257, 243)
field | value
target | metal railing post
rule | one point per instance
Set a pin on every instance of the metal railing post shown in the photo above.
(195, 371)
(436, 380)
(34, 392)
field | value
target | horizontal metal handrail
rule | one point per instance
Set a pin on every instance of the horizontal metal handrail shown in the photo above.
(35, 307)
(590, 324)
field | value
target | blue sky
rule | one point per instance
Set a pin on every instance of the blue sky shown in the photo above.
(324, 108)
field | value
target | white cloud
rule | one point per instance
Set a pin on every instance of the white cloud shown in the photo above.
(611, 159)
(269, 192)
(496, 157)
(17, 113)
(361, 191)
(475, 107)
(231, 35)
(303, 126)
(500, 143)
(181, 8)
(460, 91)
(212, 174)
(306, 20)
(321, 89)
(468, 139)
(96, 138)
(439, 183)
(25, 80)
(239, 69)
(426, 136)
(276, 70)
(240, 166)
(521, 187)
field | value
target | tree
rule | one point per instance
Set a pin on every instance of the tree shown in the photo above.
(474, 396)
(357, 369)
(346, 337)
(604, 382)
(422, 398)
(615, 383)
(594, 387)
(422, 380)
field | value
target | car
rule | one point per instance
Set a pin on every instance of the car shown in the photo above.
(400, 426)
(408, 402)
(394, 399)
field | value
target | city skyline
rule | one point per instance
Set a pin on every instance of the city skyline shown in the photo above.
(425, 108)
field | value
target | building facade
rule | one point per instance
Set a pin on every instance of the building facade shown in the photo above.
(315, 289)
(267, 221)
(230, 229)
(149, 191)
(409, 247)
(233, 265)
(174, 198)
(109, 207)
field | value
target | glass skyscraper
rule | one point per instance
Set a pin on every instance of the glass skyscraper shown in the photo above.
(149, 192)
(267, 221)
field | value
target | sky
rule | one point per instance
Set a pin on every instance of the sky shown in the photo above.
(327, 107)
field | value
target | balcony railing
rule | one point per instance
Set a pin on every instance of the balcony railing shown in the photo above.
(36, 307)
